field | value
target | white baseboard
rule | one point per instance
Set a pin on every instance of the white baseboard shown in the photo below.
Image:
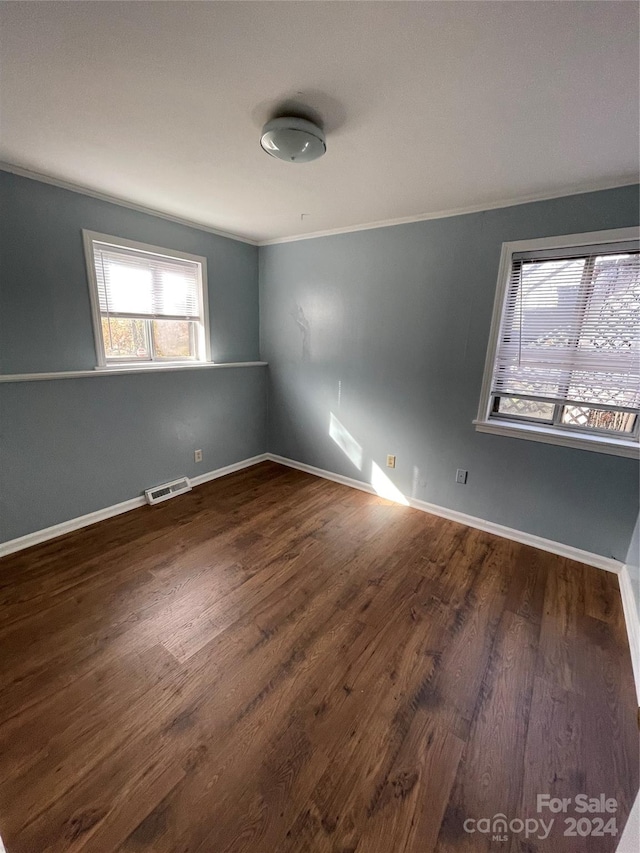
(600, 562)
(559, 548)
(38, 536)
(633, 623)
(228, 469)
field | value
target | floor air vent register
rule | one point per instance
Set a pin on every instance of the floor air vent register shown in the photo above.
(167, 490)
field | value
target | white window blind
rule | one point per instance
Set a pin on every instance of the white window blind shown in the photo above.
(133, 283)
(570, 327)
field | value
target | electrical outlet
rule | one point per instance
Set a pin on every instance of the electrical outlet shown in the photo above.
(391, 461)
(461, 476)
(197, 455)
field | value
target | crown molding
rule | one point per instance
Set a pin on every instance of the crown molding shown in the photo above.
(23, 172)
(458, 211)
(121, 202)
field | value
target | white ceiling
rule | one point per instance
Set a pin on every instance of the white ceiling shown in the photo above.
(428, 106)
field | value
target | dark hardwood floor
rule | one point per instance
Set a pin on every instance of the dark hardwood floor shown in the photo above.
(274, 663)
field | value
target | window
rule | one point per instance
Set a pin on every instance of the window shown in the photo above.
(149, 304)
(563, 364)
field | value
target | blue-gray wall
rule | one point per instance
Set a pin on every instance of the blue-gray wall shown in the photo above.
(69, 447)
(387, 330)
(45, 313)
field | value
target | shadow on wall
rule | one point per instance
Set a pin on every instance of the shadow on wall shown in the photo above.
(376, 477)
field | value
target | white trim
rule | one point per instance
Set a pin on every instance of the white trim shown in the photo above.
(630, 609)
(597, 186)
(570, 241)
(547, 435)
(120, 371)
(229, 469)
(496, 321)
(559, 548)
(91, 237)
(121, 202)
(38, 536)
(458, 211)
(96, 319)
(204, 330)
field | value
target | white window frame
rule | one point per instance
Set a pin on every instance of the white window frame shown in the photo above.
(204, 340)
(546, 433)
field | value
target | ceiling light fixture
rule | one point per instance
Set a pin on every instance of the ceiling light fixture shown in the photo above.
(294, 140)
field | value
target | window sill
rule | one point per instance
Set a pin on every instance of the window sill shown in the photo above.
(596, 443)
(132, 367)
(117, 370)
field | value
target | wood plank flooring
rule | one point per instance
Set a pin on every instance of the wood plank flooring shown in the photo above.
(274, 663)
